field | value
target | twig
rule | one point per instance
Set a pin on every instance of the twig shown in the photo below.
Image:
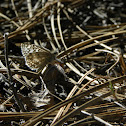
(38, 117)
(70, 95)
(83, 106)
(6, 57)
(10, 75)
(53, 29)
(59, 25)
(47, 33)
(21, 23)
(72, 67)
(29, 8)
(97, 118)
(8, 19)
(111, 53)
(38, 3)
(78, 92)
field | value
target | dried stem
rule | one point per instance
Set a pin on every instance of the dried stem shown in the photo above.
(12, 85)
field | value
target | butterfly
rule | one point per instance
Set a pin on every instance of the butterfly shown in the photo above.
(36, 57)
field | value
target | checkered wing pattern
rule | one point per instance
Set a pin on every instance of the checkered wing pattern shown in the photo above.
(36, 57)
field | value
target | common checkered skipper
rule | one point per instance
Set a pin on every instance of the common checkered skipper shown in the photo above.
(36, 57)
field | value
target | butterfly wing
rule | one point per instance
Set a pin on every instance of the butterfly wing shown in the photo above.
(38, 60)
(35, 56)
(27, 48)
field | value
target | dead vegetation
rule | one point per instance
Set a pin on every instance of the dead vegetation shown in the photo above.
(62, 62)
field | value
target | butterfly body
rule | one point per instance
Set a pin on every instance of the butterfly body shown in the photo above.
(36, 57)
